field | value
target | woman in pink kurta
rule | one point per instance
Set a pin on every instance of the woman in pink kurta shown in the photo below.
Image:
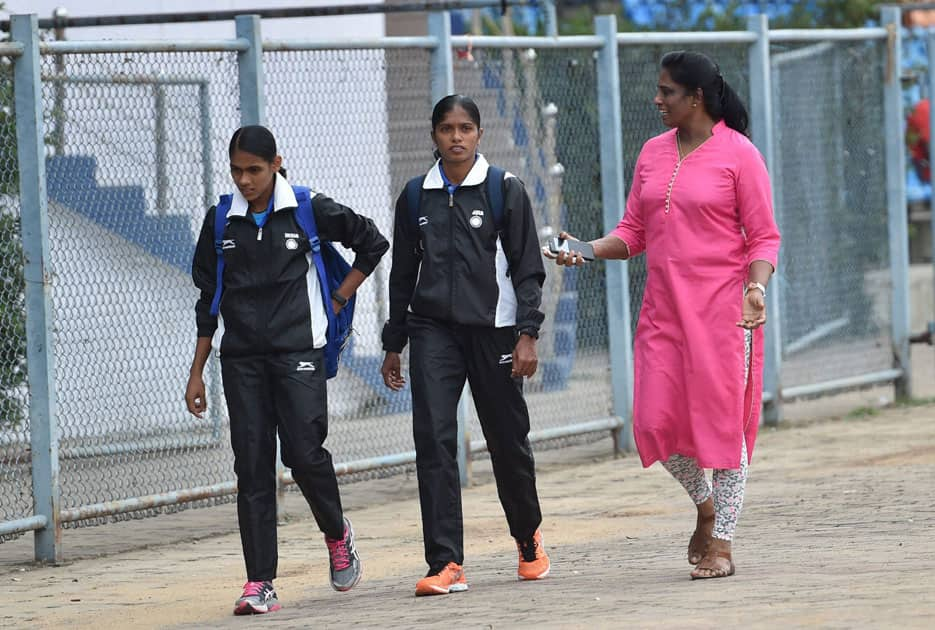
(700, 207)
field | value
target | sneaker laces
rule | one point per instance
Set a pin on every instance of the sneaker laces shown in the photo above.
(528, 549)
(337, 547)
(251, 589)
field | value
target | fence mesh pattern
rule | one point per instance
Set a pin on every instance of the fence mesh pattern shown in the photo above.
(15, 478)
(137, 148)
(136, 152)
(829, 185)
(539, 114)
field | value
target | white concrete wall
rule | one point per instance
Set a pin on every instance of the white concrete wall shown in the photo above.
(351, 27)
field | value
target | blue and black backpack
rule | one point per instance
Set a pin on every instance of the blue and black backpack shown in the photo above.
(330, 264)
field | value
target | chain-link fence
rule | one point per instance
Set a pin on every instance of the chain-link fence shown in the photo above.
(831, 204)
(15, 478)
(539, 112)
(136, 151)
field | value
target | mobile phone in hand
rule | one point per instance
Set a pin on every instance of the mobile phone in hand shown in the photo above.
(557, 245)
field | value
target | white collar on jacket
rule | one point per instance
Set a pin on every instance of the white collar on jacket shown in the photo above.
(477, 174)
(283, 197)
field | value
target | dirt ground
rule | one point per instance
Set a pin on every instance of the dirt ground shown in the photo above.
(838, 531)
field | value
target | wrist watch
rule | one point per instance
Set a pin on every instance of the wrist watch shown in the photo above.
(530, 332)
(755, 285)
(340, 299)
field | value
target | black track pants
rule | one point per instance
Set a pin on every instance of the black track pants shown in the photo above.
(441, 356)
(265, 393)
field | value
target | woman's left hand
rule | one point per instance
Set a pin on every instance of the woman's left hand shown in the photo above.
(754, 310)
(525, 359)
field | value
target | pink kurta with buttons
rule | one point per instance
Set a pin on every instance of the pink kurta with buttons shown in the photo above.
(701, 222)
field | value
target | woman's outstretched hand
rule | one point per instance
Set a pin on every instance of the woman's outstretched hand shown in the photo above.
(392, 372)
(566, 259)
(754, 310)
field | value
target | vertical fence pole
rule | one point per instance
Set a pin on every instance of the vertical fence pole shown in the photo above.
(551, 18)
(59, 15)
(613, 199)
(442, 68)
(250, 71)
(162, 183)
(761, 119)
(898, 222)
(34, 222)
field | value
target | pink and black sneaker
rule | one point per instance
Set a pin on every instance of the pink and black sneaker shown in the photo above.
(257, 598)
(345, 563)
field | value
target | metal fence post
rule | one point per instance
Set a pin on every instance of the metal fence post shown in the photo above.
(898, 222)
(614, 201)
(442, 68)
(159, 142)
(34, 227)
(551, 18)
(250, 71)
(59, 15)
(761, 119)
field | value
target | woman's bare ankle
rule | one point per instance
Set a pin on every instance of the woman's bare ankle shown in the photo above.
(719, 545)
(706, 510)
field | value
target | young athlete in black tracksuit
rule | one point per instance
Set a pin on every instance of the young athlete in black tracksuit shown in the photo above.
(270, 333)
(465, 292)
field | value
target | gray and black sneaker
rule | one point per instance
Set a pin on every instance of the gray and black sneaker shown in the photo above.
(345, 563)
(257, 598)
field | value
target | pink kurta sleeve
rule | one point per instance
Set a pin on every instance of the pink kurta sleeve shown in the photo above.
(630, 229)
(755, 204)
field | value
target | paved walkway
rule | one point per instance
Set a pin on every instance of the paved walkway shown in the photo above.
(838, 531)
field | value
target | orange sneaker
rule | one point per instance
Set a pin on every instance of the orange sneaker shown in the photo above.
(533, 561)
(449, 580)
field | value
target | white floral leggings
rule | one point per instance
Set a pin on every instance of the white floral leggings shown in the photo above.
(729, 484)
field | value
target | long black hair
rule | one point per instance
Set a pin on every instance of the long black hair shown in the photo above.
(256, 140)
(447, 104)
(695, 70)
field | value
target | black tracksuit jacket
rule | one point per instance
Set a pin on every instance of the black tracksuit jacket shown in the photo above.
(445, 263)
(266, 306)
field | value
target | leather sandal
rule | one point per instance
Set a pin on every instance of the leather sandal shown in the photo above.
(709, 563)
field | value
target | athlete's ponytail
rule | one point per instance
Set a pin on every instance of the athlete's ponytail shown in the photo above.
(695, 70)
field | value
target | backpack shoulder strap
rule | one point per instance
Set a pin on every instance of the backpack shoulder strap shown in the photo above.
(496, 177)
(220, 222)
(413, 199)
(305, 216)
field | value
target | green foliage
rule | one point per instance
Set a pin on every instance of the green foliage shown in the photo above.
(862, 412)
(12, 284)
(12, 322)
